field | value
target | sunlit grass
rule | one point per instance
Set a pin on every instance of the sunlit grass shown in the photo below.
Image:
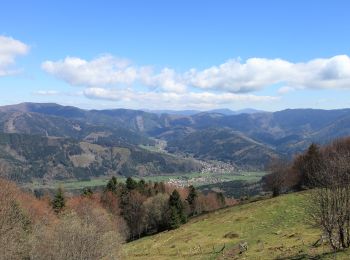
(273, 228)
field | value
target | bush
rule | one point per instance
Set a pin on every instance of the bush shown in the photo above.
(13, 223)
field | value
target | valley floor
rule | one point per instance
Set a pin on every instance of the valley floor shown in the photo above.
(180, 179)
(275, 228)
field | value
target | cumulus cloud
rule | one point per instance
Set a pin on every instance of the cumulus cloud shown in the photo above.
(321, 73)
(9, 50)
(258, 73)
(233, 76)
(105, 70)
(111, 78)
(166, 80)
(172, 100)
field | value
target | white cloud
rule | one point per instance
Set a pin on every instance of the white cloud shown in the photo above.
(321, 73)
(108, 71)
(114, 79)
(232, 76)
(9, 50)
(171, 100)
(105, 70)
(258, 73)
(167, 80)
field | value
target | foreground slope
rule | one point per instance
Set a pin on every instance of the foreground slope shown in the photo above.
(274, 229)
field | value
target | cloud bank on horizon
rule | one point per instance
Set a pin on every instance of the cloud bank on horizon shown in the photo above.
(111, 78)
(232, 76)
(108, 77)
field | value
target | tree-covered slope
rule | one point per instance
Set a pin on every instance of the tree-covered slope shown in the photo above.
(27, 157)
(225, 145)
(248, 140)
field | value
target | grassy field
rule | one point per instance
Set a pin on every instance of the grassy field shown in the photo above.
(243, 176)
(274, 229)
(68, 184)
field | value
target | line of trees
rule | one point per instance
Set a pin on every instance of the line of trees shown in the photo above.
(149, 207)
(299, 174)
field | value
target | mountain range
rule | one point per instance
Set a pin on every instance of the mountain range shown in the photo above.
(51, 141)
(224, 111)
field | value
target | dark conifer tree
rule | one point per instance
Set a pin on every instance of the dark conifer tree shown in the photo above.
(59, 201)
(192, 199)
(112, 185)
(131, 184)
(177, 212)
(308, 165)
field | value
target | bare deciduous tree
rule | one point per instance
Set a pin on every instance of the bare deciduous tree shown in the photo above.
(330, 201)
(156, 209)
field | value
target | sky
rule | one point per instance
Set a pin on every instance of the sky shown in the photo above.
(176, 54)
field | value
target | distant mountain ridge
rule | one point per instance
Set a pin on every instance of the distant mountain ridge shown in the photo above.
(224, 111)
(271, 127)
(48, 141)
(247, 140)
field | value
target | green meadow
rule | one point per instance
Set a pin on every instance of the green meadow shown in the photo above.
(277, 228)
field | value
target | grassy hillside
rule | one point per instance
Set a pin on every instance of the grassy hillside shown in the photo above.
(274, 229)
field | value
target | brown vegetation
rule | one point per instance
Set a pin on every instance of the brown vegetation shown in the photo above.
(29, 228)
(93, 225)
(13, 223)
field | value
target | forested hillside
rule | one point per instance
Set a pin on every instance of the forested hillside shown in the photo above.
(79, 143)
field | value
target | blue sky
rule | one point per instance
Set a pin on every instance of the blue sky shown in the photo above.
(190, 54)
